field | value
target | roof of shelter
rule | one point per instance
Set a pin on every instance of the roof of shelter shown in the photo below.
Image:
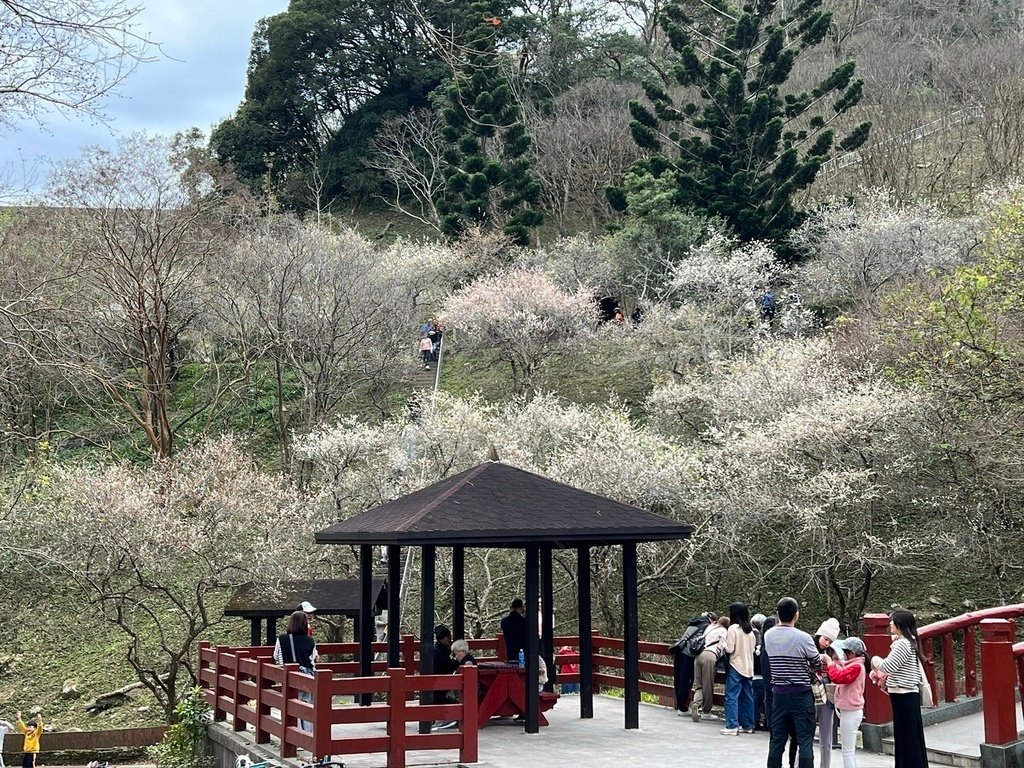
(496, 505)
(330, 597)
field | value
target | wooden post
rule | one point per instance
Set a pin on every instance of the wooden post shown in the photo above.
(948, 669)
(585, 629)
(271, 630)
(631, 624)
(547, 583)
(365, 617)
(409, 654)
(323, 704)
(877, 707)
(532, 641)
(255, 625)
(427, 574)
(287, 748)
(262, 708)
(458, 593)
(469, 751)
(237, 724)
(397, 693)
(997, 678)
(394, 605)
(219, 714)
(596, 647)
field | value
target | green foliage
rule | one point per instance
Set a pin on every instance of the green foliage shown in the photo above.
(743, 148)
(184, 744)
(488, 171)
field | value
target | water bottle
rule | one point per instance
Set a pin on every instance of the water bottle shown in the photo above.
(522, 658)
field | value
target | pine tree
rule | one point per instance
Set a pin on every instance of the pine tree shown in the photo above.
(489, 183)
(744, 147)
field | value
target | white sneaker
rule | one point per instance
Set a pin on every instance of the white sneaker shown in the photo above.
(729, 731)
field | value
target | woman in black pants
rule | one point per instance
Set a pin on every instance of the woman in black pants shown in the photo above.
(900, 674)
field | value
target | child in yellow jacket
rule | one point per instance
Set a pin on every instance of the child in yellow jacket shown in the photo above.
(32, 733)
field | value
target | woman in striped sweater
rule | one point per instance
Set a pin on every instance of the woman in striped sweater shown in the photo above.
(900, 674)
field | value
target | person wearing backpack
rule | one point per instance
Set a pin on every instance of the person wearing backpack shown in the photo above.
(713, 648)
(683, 652)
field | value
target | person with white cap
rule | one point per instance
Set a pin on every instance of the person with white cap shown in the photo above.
(309, 609)
(827, 634)
(849, 675)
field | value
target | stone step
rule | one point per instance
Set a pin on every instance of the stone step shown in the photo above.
(938, 756)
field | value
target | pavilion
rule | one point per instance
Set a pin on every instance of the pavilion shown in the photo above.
(494, 505)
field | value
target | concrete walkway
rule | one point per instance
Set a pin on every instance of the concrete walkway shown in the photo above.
(663, 740)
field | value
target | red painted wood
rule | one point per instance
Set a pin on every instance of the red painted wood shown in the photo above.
(997, 672)
(469, 727)
(262, 707)
(877, 707)
(504, 694)
(1018, 654)
(928, 662)
(970, 663)
(396, 724)
(322, 737)
(970, 619)
(948, 668)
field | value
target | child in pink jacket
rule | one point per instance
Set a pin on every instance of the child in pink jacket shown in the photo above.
(849, 676)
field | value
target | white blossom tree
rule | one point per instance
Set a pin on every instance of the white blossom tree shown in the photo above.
(158, 550)
(523, 317)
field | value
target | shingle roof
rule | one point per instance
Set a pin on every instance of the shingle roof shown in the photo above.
(331, 597)
(496, 505)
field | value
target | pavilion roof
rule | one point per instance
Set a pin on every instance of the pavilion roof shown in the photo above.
(497, 505)
(330, 597)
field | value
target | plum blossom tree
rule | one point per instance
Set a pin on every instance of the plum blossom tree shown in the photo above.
(157, 550)
(521, 315)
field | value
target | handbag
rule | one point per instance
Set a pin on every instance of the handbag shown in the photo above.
(927, 695)
(818, 691)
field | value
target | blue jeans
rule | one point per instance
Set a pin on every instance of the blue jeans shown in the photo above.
(792, 711)
(739, 700)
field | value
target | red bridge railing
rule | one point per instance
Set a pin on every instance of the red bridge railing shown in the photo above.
(955, 642)
(246, 684)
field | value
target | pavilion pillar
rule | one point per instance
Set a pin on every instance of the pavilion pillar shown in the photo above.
(365, 617)
(631, 625)
(547, 583)
(532, 641)
(586, 633)
(255, 625)
(458, 593)
(394, 606)
(427, 581)
(271, 630)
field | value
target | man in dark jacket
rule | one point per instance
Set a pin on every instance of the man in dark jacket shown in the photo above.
(444, 664)
(513, 628)
(682, 666)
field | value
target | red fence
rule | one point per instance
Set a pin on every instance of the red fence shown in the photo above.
(246, 684)
(955, 642)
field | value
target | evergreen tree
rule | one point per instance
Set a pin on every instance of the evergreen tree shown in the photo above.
(744, 147)
(489, 183)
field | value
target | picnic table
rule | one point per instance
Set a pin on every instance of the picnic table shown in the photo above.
(503, 692)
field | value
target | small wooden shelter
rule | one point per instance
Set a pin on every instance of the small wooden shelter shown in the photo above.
(496, 505)
(330, 597)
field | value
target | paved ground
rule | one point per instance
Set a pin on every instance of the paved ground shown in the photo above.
(663, 740)
(963, 735)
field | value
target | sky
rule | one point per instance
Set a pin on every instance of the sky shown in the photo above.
(198, 79)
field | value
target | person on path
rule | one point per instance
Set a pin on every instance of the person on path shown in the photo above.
(32, 731)
(704, 670)
(794, 658)
(740, 644)
(849, 675)
(900, 674)
(426, 351)
(766, 671)
(297, 646)
(825, 714)
(683, 658)
(757, 622)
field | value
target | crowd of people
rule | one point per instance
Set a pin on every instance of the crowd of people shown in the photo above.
(780, 679)
(431, 336)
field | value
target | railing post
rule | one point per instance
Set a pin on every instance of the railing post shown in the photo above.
(218, 713)
(877, 707)
(595, 650)
(948, 669)
(970, 663)
(469, 727)
(237, 724)
(501, 653)
(287, 749)
(323, 703)
(928, 664)
(398, 692)
(262, 708)
(409, 654)
(997, 676)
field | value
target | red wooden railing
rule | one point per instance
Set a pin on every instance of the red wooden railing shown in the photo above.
(246, 684)
(956, 639)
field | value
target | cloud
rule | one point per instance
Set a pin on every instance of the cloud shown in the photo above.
(198, 79)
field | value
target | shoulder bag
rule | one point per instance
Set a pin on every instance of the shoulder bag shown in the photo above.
(927, 695)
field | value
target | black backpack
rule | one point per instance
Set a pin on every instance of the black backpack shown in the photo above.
(692, 642)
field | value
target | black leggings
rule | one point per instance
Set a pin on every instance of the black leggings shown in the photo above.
(908, 730)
